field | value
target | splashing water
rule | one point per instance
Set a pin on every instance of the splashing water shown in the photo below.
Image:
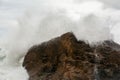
(46, 19)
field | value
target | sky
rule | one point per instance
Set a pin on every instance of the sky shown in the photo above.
(24, 23)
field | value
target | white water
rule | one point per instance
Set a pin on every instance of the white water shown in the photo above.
(24, 23)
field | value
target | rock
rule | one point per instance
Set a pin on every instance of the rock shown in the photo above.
(66, 58)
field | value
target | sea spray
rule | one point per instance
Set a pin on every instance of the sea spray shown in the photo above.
(48, 19)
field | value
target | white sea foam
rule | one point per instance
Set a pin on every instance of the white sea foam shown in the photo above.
(41, 20)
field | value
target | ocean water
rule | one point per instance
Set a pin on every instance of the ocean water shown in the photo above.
(25, 23)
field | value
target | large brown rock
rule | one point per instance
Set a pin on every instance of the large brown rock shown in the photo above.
(66, 58)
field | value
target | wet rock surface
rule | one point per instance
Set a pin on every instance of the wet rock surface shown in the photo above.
(66, 58)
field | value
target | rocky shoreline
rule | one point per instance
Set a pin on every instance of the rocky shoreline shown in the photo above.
(66, 58)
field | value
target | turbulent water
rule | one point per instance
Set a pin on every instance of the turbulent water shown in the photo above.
(27, 22)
